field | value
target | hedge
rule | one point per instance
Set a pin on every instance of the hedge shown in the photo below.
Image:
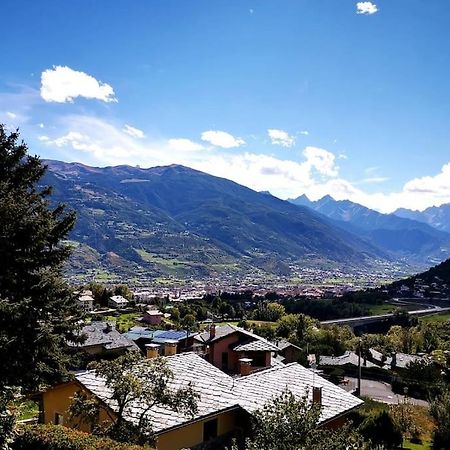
(58, 437)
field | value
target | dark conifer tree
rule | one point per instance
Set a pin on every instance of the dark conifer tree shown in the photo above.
(37, 308)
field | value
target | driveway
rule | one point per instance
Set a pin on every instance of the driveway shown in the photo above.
(381, 392)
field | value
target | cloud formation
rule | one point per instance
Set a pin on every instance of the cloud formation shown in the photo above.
(221, 139)
(184, 145)
(133, 132)
(280, 137)
(63, 84)
(97, 142)
(366, 8)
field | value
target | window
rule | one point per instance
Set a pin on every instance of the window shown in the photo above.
(224, 360)
(59, 419)
(209, 430)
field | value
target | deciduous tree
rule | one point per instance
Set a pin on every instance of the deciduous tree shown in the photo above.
(133, 379)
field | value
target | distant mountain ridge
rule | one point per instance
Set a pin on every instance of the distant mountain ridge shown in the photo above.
(176, 221)
(436, 216)
(401, 237)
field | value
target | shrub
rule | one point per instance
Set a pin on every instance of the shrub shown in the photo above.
(57, 437)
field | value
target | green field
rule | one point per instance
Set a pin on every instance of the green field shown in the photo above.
(436, 318)
(125, 321)
(381, 309)
(424, 446)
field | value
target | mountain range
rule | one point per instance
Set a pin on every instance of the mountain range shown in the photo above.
(177, 223)
(436, 216)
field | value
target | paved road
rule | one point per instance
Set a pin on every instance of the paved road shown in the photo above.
(360, 320)
(381, 392)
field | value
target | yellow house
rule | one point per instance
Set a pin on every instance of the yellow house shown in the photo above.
(224, 402)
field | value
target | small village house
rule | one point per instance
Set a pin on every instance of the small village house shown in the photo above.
(224, 404)
(102, 338)
(118, 302)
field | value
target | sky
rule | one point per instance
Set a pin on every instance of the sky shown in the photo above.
(294, 97)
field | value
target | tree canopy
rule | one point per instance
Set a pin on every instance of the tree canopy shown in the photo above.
(132, 378)
(37, 308)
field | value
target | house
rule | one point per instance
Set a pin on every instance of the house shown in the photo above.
(142, 336)
(288, 352)
(85, 301)
(153, 317)
(349, 358)
(118, 302)
(224, 405)
(102, 338)
(226, 345)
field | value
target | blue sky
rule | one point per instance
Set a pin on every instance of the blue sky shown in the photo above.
(302, 96)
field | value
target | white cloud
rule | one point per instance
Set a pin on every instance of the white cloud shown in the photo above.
(321, 160)
(366, 8)
(133, 132)
(184, 145)
(11, 115)
(41, 125)
(94, 141)
(62, 84)
(221, 139)
(304, 132)
(280, 137)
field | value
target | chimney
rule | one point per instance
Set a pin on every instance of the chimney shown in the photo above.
(317, 395)
(152, 350)
(394, 360)
(170, 348)
(212, 331)
(245, 366)
(108, 327)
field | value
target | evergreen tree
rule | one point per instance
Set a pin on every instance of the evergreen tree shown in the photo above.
(37, 309)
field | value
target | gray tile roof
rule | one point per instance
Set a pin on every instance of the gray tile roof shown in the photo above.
(347, 358)
(226, 330)
(256, 346)
(255, 390)
(218, 391)
(213, 386)
(283, 344)
(221, 332)
(98, 333)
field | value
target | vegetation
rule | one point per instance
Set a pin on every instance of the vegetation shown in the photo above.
(440, 410)
(286, 423)
(37, 309)
(56, 437)
(132, 378)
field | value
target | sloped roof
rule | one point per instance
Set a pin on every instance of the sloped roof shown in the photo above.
(101, 333)
(256, 389)
(213, 386)
(283, 344)
(221, 332)
(347, 358)
(227, 329)
(219, 392)
(159, 336)
(256, 346)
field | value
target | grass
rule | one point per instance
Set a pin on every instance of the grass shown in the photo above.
(381, 309)
(28, 409)
(258, 323)
(436, 318)
(423, 446)
(125, 321)
(420, 417)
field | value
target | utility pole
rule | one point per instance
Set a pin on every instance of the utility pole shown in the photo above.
(358, 390)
